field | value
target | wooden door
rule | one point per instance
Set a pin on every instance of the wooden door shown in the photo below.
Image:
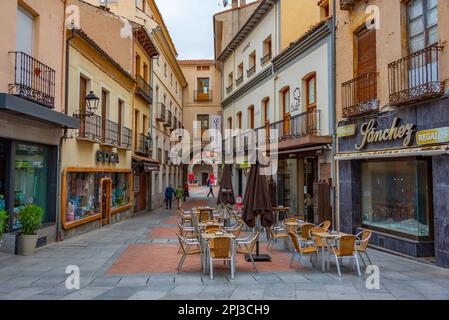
(266, 115)
(251, 117)
(104, 113)
(366, 87)
(106, 190)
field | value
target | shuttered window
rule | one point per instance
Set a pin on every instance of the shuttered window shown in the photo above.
(366, 51)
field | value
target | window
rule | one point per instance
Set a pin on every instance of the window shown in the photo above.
(240, 71)
(145, 72)
(311, 92)
(396, 197)
(239, 120)
(25, 31)
(285, 101)
(204, 122)
(266, 111)
(137, 65)
(422, 24)
(267, 50)
(230, 80)
(251, 117)
(324, 10)
(252, 63)
(31, 180)
(136, 127)
(165, 69)
(171, 79)
(203, 85)
(230, 123)
(120, 114)
(104, 111)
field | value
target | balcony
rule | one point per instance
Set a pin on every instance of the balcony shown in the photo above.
(33, 80)
(359, 95)
(168, 119)
(144, 89)
(301, 125)
(265, 59)
(160, 113)
(143, 145)
(203, 95)
(251, 71)
(416, 77)
(239, 81)
(125, 138)
(90, 128)
(229, 89)
(347, 4)
(110, 133)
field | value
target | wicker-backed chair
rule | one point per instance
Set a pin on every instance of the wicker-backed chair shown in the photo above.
(221, 248)
(185, 218)
(362, 245)
(301, 249)
(344, 247)
(274, 236)
(247, 246)
(304, 232)
(188, 247)
(325, 224)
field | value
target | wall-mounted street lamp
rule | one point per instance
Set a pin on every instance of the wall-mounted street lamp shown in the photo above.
(92, 102)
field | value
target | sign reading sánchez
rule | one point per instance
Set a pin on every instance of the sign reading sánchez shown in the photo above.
(395, 132)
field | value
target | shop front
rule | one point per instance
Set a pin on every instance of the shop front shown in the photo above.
(393, 179)
(142, 182)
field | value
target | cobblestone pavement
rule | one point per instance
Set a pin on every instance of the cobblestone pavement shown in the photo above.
(137, 259)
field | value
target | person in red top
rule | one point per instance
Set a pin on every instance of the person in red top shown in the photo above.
(186, 191)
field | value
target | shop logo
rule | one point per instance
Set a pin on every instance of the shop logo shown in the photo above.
(395, 132)
(73, 280)
(107, 157)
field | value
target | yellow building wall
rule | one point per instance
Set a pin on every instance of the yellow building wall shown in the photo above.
(293, 24)
(81, 154)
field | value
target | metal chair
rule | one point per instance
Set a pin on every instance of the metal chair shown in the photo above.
(235, 230)
(362, 245)
(221, 248)
(344, 247)
(184, 217)
(274, 235)
(188, 247)
(325, 224)
(301, 249)
(248, 243)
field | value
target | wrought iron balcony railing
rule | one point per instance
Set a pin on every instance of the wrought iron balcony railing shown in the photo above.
(90, 128)
(265, 58)
(415, 77)
(359, 95)
(203, 95)
(347, 4)
(143, 145)
(160, 113)
(126, 138)
(239, 80)
(168, 119)
(144, 89)
(111, 133)
(303, 124)
(33, 80)
(251, 71)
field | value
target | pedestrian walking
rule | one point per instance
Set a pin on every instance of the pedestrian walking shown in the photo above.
(186, 191)
(179, 193)
(211, 188)
(169, 192)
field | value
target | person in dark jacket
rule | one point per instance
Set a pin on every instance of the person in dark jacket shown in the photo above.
(169, 192)
(211, 188)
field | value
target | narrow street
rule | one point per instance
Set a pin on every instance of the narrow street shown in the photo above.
(137, 259)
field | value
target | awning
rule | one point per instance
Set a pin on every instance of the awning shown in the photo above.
(36, 111)
(395, 153)
(144, 164)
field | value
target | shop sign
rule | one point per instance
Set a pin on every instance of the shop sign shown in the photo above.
(107, 157)
(432, 136)
(148, 167)
(346, 131)
(370, 133)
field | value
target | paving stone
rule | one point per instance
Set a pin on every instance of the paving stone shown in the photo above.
(311, 295)
(21, 294)
(148, 295)
(119, 293)
(242, 293)
(105, 282)
(87, 293)
(133, 281)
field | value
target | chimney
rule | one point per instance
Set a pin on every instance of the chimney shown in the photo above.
(242, 2)
(235, 4)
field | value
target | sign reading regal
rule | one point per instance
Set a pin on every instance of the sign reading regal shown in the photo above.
(432, 136)
(370, 133)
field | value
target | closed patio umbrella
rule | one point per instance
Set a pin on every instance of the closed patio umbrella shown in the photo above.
(226, 194)
(257, 205)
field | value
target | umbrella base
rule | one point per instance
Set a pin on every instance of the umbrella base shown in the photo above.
(259, 258)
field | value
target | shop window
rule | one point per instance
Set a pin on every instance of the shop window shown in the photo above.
(31, 179)
(3, 168)
(121, 191)
(395, 197)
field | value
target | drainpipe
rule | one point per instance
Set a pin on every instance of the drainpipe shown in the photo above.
(62, 139)
(335, 210)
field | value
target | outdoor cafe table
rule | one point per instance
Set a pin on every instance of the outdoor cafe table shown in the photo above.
(327, 237)
(204, 240)
(295, 225)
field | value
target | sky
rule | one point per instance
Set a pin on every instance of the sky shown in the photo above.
(190, 25)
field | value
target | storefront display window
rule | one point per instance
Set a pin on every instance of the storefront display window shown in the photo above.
(395, 197)
(2, 176)
(83, 193)
(287, 184)
(30, 179)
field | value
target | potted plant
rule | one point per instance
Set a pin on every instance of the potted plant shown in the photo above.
(3, 218)
(30, 218)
